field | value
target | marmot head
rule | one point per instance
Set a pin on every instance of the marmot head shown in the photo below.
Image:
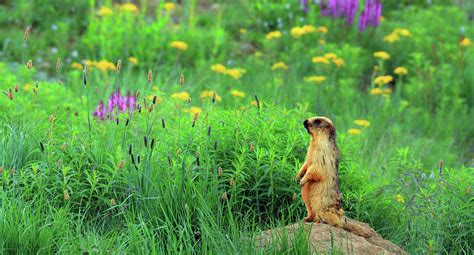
(320, 126)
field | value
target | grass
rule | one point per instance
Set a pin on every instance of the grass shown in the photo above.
(210, 181)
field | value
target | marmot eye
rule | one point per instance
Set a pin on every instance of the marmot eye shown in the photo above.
(317, 122)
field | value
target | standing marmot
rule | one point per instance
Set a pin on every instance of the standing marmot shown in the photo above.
(320, 183)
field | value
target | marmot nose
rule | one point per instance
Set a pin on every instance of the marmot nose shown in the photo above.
(306, 123)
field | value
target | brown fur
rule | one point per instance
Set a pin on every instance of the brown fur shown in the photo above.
(319, 178)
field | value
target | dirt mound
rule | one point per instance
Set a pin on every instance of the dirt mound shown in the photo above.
(324, 237)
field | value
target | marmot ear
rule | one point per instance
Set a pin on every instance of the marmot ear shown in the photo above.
(306, 123)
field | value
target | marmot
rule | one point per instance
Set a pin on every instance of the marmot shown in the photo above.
(319, 178)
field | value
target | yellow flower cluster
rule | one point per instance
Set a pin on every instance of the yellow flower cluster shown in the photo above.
(102, 65)
(183, 96)
(235, 73)
(382, 55)
(396, 33)
(180, 45)
(362, 122)
(382, 80)
(243, 31)
(323, 29)
(297, 32)
(129, 7)
(209, 94)
(379, 91)
(326, 58)
(104, 11)
(133, 60)
(169, 6)
(400, 70)
(399, 198)
(237, 93)
(316, 79)
(280, 65)
(194, 111)
(465, 42)
(273, 35)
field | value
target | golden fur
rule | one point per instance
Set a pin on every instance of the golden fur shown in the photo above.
(319, 177)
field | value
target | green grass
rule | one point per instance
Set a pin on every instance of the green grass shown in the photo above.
(211, 186)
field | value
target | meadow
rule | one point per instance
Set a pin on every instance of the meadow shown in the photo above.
(176, 127)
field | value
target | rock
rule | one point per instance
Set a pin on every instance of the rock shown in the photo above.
(324, 237)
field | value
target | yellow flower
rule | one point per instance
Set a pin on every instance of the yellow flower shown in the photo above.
(104, 11)
(339, 62)
(243, 31)
(376, 91)
(309, 29)
(105, 65)
(254, 103)
(387, 91)
(133, 60)
(129, 7)
(193, 111)
(400, 70)
(273, 35)
(362, 122)
(354, 131)
(90, 63)
(399, 198)
(323, 30)
(317, 79)
(402, 31)
(209, 94)
(320, 60)
(382, 80)
(180, 45)
(382, 55)
(77, 66)
(465, 42)
(237, 93)
(330, 55)
(158, 99)
(393, 37)
(169, 6)
(27, 87)
(183, 96)
(321, 42)
(218, 68)
(235, 73)
(297, 32)
(280, 65)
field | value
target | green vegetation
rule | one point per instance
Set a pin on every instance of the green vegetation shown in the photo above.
(211, 162)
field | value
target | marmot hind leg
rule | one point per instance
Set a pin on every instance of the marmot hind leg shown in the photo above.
(333, 217)
(305, 195)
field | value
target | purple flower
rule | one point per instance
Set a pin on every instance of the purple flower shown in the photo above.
(115, 105)
(100, 112)
(304, 5)
(131, 102)
(370, 16)
(340, 8)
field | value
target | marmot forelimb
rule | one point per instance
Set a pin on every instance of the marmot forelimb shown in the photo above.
(319, 178)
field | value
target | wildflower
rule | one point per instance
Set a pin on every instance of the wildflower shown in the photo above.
(237, 93)
(339, 62)
(183, 96)
(105, 65)
(243, 31)
(323, 29)
(90, 63)
(273, 35)
(210, 94)
(370, 15)
(27, 87)
(382, 80)
(354, 131)
(194, 111)
(169, 6)
(400, 70)
(77, 66)
(66, 195)
(320, 60)
(393, 37)
(321, 42)
(129, 7)
(465, 42)
(297, 32)
(235, 73)
(279, 65)
(180, 45)
(29, 64)
(338, 9)
(133, 60)
(309, 29)
(376, 91)
(317, 79)
(362, 122)
(399, 198)
(330, 55)
(104, 11)
(387, 91)
(218, 68)
(382, 55)
(402, 31)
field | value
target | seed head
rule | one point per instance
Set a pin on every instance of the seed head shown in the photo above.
(137, 94)
(163, 124)
(112, 202)
(209, 131)
(145, 141)
(127, 122)
(181, 80)
(66, 195)
(15, 88)
(179, 151)
(152, 145)
(224, 197)
(150, 109)
(27, 32)
(130, 149)
(214, 95)
(119, 65)
(121, 163)
(29, 64)
(219, 171)
(10, 94)
(150, 76)
(154, 100)
(51, 118)
(1, 170)
(58, 64)
(84, 76)
(440, 167)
